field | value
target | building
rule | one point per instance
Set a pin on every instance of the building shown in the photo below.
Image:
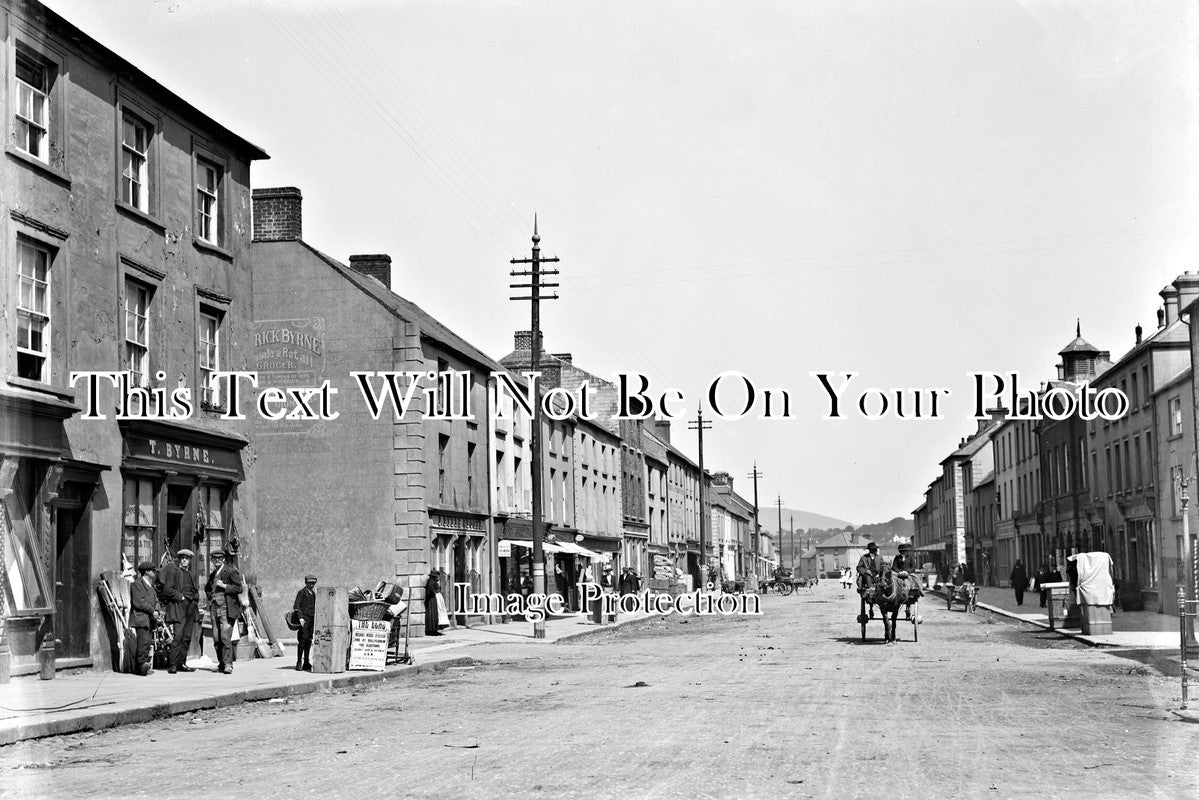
(660, 571)
(732, 524)
(839, 551)
(1065, 510)
(969, 463)
(124, 220)
(356, 499)
(1174, 434)
(1017, 493)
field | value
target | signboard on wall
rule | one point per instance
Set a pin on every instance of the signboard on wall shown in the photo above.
(290, 352)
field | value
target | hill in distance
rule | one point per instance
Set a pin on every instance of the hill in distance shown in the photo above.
(768, 518)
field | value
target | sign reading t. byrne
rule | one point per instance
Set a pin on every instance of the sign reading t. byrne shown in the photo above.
(368, 644)
(289, 352)
(181, 453)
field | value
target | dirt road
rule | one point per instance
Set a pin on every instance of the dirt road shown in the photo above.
(789, 704)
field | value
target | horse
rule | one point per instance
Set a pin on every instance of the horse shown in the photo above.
(890, 592)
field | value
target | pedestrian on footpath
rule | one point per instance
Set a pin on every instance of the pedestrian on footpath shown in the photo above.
(305, 608)
(436, 616)
(223, 590)
(561, 580)
(1019, 579)
(180, 594)
(144, 614)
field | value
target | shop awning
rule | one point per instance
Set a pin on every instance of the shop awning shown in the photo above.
(548, 547)
(571, 547)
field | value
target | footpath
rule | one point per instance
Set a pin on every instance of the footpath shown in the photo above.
(85, 699)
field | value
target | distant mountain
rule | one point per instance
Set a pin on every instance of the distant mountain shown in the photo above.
(768, 518)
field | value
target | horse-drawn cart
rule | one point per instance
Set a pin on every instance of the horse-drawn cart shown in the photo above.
(966, 594)
(891, 592)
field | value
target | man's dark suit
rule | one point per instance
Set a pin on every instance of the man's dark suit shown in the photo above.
(179, 593)
(143, 605)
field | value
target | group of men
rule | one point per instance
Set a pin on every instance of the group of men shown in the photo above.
(872, 565)
(173, 599)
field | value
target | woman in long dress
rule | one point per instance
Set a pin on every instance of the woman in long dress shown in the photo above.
(436, 616)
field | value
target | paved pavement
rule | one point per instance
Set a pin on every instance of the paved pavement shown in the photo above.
(89, 699)
(789, 704)
(1142, 630)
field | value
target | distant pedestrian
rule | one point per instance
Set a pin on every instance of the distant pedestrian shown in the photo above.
(144, 615)
(180, 595)
(305, 608)
(561, 580)
(1019, 579)
(436, 616)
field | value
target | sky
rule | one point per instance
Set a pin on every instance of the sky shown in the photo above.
(909, 191)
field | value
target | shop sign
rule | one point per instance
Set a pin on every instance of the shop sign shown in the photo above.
(368, 644)
(504, 549)
(456, 523)
(181, 453)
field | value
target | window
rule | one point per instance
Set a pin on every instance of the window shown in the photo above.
(443, 444)
(208, 206)
(141, 522)
(33, 311)
(135, 157)
(33, 107)
(1175, 416)
(137, 331)
(209, 357)
(210, 523)
(470, 473)
(20, 520)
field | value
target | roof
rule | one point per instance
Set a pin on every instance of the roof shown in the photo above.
(809, 553)
(430, 326)
(973, 444)
(82, 38)
(841, 539)
(1079, 345)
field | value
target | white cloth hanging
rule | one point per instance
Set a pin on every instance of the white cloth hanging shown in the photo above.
(1095, 587)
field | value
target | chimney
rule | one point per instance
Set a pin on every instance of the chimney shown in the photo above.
(1187, 286)
(1139, 332)
(374, 265)
(523, 340)
(662, 429)
(277, 214)
(1169, 296)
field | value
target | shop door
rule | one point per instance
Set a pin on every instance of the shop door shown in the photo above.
(459, 575)
(72, 589)
(179, 526)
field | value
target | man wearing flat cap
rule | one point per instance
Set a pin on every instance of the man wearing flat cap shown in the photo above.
(223, 590)
(144, 613)
(179, 593)
(305, 609)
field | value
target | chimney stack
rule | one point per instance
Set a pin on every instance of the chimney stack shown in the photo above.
(1187, 287)
(1169, 296)
(662, 429)
(374, 265)
(277, 214)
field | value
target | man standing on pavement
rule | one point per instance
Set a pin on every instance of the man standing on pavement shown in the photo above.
(305, 607)
(179, 593)
(144, 614)
(223, 590)
(1019, 579)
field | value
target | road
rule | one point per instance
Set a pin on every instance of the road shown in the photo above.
(788, 704)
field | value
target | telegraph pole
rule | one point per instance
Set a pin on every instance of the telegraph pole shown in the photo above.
(780, 504)
(791, 536)
(535, 275)
(700, 425)
(757, 528)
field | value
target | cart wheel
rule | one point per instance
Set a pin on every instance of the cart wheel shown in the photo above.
(785, 589)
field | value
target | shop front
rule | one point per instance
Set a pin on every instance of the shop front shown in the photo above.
(459, 554)
(45, 537)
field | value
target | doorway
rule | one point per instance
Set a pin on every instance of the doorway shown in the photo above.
(72, 589)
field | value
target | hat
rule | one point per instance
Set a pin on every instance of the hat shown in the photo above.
(292, 618)
(145, 566)
(309, 578)
(218, 554)
(872, 546)
(185, 553)
(607, 568)
(905, 546)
